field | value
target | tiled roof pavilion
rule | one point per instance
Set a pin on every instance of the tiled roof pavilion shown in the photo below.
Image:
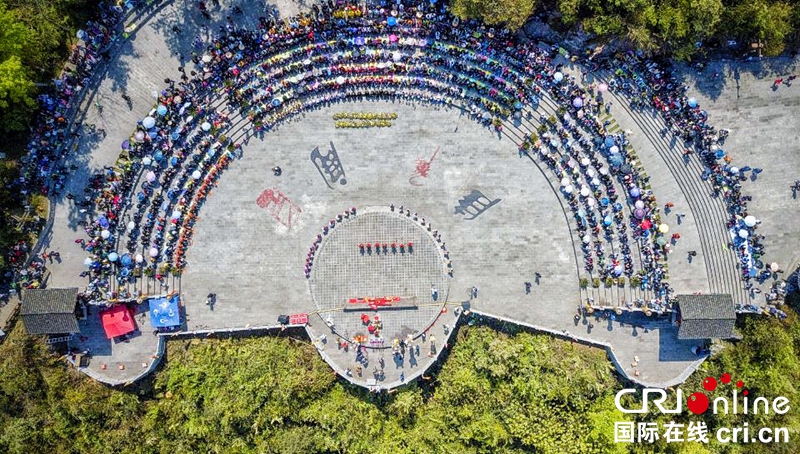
(50, 311)
(707, 316)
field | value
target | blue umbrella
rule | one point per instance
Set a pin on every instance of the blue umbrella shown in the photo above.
(276, 102)
(609, 141)
(604, 201)
(518, 105)
(112, 257)
(173, 161)
(692, 102)
(720, 154)
(607, 220)
(175, 136)
(140, 196)
(103, 221)
(615, 159)
(162, 110)
(392, 21)
(158, 156)
(126, 260)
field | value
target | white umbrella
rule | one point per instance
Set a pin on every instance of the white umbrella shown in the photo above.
(585, 162)
(153, 252)
(639, 204)
(105, 234)
(196, 175)
(595, 182)
(206, 58)
(131, 226)
(139, 258)
(564, 181)
(396, 56)
(590, 173)
(205, 126)
(774, 267)
(176, 214)
(148, 122)
(587, 238)
(558, 77)
(663, 228)
(151, 176)
(590, 202)
(585, 191)
(603, 171)
(87, 261)
(147, 160)
(750, 221)
(340, 80)
(614, 149)
(568, 189)
(743, 233)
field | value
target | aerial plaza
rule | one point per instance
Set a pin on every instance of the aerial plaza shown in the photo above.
(380, 176)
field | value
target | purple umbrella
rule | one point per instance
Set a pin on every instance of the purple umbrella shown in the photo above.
(577, 102)
(126, 145)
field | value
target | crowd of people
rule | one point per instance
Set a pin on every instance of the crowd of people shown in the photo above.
(43, 168)
(648, 85)
(145, 208)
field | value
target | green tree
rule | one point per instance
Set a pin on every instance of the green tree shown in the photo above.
(682, 23)
(512, 14)
(16, 95)
(16, 88)
(769, 23)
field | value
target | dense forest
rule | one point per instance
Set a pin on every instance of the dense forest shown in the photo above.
(500, 391)
(673, 28)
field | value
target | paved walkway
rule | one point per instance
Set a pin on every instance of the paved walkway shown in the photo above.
(253, 260)
(765, 133)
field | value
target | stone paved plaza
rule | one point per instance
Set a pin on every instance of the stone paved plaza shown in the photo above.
(500, 217)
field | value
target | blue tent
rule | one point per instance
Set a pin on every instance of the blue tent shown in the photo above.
(165, 312)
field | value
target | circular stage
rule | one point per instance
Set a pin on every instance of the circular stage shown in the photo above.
(378, 275)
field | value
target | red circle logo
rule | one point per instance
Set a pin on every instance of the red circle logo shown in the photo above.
(710, 384)
(697, 403)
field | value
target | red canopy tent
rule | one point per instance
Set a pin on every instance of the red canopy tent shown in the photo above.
(117, 321)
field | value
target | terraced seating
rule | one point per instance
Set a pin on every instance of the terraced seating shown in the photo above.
(252, 82)
(710, 211)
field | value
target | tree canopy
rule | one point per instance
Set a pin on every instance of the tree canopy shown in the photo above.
(496, 392)
(676, 28)
(511, 14)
